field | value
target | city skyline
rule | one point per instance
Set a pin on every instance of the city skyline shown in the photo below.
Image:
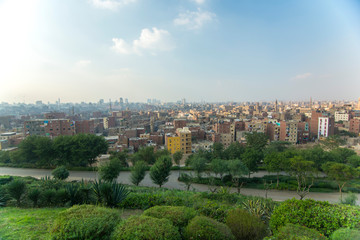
(208, 50)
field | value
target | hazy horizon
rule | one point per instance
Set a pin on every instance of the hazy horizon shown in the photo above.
(210, 50)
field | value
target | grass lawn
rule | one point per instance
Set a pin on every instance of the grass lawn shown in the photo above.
(28, 223)
(34, 223)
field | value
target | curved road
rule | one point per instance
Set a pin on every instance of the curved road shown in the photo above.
(173, 183)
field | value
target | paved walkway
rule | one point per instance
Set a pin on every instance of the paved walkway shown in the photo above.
(173, 183)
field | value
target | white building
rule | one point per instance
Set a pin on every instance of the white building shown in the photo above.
(341, 116)
(323, 126)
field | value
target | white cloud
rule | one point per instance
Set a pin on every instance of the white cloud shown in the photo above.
(83, 63)
(111, 4)
(151, 40)
(194, 20)
(302, 76)
(157, 39)
(199, 1)
(121, 46)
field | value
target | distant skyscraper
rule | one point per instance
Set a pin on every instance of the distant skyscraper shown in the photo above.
(358, 105)
(126, 101)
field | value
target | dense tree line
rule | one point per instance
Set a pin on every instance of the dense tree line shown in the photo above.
(78, 150)
(236, 161)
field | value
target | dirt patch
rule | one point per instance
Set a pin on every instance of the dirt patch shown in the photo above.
(130, 212)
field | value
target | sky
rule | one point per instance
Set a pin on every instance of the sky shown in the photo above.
(200, 50)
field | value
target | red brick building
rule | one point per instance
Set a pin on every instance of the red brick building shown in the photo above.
(354, 126)
(179, 123)
(85, 126)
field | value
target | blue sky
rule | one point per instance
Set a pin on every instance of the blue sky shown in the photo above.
(212, 50)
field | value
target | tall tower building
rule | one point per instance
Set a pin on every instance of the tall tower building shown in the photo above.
(358, 105)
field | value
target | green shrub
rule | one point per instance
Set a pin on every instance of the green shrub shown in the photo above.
(213, 209)
(145, 200)
(60, 173)
(297, 232)
(85, 222)
(4, 180)
(48, 183)
(62, 197)
(350, 199)
(244, 225)
(16, 190)
(202, 227)
(260, 208)
(179, 216)
(146, 228)
(34, 196)
(322, 216)
(2, 199)
(113, 194)
(48, 197)
(345, 234)
(73, 193)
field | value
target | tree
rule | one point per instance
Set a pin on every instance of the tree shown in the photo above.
(146, 154)
(251, 158)
(316, 155)
(16, 190)
(237, 169)
(217, 150)
(277, 146)
(79, 150)
(5, 157)
(160, 171)
(219, 167)
(37, 150)
(163, 152)
(354, 161)
(177, 156)
(121, 156)
(256, 140)
(138, 172)
(110, 170)
(198, 164)
(60, 173)
(332, 142)
(44, 150)
(276, 162)
(341, 173)
(187, 179)
(341, 155)
(90, 147)
(301, 170)
(234, 151)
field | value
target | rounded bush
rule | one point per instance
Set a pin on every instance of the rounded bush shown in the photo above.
(179, 216)
(85, 222)
(203, 228)
(322, 216)
(244, 225)
(345, 234)
(60, 173)
(297, 232)
(146, 228)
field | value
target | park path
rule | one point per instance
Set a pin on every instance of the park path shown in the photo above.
(173, 183)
